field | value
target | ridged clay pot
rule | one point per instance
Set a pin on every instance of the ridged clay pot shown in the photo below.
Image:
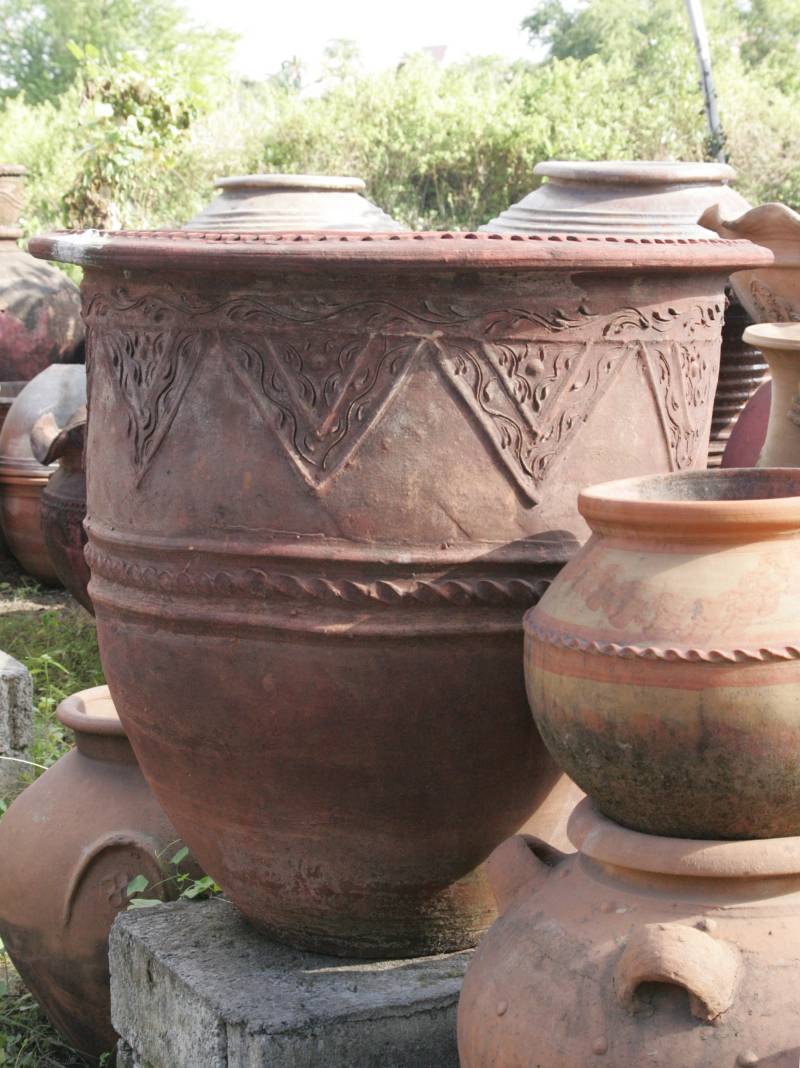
(39, 306)
(646, 199)
(69, 846)
(63, 502)
(291, 202)
(638, 950)
(413, 415)
(58, 390)
(662, 664)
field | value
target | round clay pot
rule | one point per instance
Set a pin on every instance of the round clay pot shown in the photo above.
(57, 390)
(746, 439)
(69, 846)
(291, 202)
(780, 343)
(308, 619)
(39, 306)
(638, 950)
(661, 664)
(63, 502)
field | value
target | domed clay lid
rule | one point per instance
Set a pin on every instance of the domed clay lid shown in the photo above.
(257, 202)
(91, 712)
(262, 253)
(60, 389)
(623, 197)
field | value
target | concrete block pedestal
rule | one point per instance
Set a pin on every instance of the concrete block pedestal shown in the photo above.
(194, 986)
(16, 721)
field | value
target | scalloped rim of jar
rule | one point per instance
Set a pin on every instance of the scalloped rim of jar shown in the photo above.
(635, 506)
(602, 840)
(77, 713)
(641, 172)
(322, 183)
(196, 250)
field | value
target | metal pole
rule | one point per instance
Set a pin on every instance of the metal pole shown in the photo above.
(700, 34)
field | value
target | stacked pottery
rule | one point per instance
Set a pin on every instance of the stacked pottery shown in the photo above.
(57, 391)
(39, 306)
(652, 200)
(69, 846)
(307, 619)
(663, 671)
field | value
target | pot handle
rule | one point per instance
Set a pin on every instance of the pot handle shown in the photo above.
(521, 863)
(49, 441)
(682, 956)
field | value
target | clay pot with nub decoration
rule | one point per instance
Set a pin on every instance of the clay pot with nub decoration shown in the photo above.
(663, 663)
(637, 950)
(326, 476)
(69, 846)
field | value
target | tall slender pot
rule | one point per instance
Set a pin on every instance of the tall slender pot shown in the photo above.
(325, 478)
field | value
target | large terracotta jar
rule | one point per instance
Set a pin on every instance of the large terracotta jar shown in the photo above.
(69, 846)
(638, 950)
(326, 476)
(39, 306)
(58, 390)
(646, 198)
(662, 664)
(63, 501)
(291, 202)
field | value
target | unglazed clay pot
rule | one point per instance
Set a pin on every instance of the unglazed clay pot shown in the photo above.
(57, 390)
(39, 306)
(780, 343)
(63, 503)
(749, 432)
(69, 846)
(662, 664)
(291, 202)
(346, 466)
(638, 950)
(645, 199)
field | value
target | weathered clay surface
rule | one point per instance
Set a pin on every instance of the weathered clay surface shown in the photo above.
(638, 950)
(69, 846)
(194, 986)
(662, 663)
(347, 467)
(16, 721)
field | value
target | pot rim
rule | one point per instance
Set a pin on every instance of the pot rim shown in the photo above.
(261, 252)
(641, 172)
(91, 711)
(12, 170)
(688, 504)
(322, 183)
(600, 839)
(778, 336)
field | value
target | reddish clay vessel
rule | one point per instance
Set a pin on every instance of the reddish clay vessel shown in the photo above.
(662, 664)
(326, 475)
(58, 390)
(69, 846)
(39, 306)
(638, 950)
(63, 503)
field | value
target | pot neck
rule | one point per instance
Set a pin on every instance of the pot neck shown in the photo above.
(109, 749)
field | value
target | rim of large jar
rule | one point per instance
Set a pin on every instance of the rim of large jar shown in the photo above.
(717, 503)
(641, 172)
(323, 183)
(91, 711)
(606, 842)
(12, 170)
(264, 251)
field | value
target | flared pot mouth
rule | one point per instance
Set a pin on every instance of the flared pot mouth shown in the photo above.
(91, 712)
(720, 503)
(774, 336)
(635, 172)
(315, 183)
(602, 840)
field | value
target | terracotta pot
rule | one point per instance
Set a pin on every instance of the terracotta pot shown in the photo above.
(59, 390)
(769, 293)
(639, 950)
(780, 343)
(63, 502)
(645, 198)
(661, 664)
(69, 846)
(748, 433)
(39, 306)
(291, 202)
(348, 569)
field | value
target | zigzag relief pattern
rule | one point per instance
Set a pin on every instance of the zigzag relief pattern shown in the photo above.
(763, 654)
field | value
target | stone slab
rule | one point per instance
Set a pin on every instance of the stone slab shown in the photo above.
(16, 720)
(194, 986)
